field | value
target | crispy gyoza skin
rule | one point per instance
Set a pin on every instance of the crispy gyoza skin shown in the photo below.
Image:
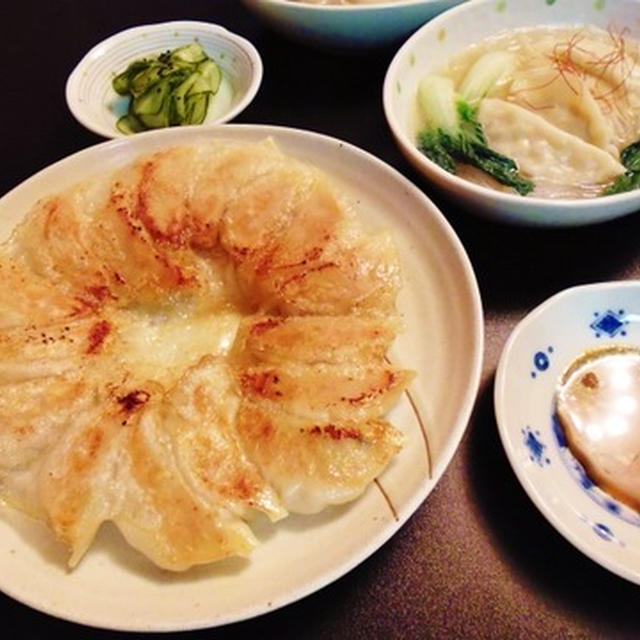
(189, 340)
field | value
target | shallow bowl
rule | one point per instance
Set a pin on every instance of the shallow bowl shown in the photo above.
(541, 348)
(95, 104)
(429, 49)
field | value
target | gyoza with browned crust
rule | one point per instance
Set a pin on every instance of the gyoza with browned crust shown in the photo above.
(195, 338)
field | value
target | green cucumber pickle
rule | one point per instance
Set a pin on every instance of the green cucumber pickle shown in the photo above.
(170, 89)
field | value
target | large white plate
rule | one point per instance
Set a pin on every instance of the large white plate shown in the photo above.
(538, 352)
(114, 587)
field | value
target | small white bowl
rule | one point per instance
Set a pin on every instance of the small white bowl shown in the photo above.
(97, 106)
(540, 349)
(349, 26)
(435, 43)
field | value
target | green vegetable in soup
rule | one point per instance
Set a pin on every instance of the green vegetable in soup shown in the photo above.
(630, 179)
(173, 88)
(452, 134)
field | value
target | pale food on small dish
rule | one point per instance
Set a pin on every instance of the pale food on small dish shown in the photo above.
(127, 396)
(598, 407)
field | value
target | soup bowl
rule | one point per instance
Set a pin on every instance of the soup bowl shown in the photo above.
(430, 48)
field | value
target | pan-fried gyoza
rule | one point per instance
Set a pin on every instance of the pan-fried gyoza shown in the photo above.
(196, 338)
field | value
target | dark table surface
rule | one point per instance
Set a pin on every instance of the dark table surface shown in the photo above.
(476, 560)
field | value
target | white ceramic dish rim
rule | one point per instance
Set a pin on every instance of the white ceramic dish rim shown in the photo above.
(573, 209)
(565, 527)
(464, 407)
(132, 32)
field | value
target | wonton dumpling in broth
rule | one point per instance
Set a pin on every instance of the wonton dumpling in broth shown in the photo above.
(170, 311)
(557, 159)
(562, 106)
(583, 81)
(570, 107)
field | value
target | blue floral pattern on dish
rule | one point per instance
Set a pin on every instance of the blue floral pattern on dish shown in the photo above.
(610, 323)
(603, 531)
(541, 361)
(536, 447)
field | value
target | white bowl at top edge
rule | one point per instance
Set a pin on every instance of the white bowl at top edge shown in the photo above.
(429, 48)
(95, 104)
(353, 26)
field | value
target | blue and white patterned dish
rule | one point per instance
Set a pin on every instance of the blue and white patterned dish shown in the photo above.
(534, 358)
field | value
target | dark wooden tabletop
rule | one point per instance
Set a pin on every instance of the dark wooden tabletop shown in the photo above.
(477, 560)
